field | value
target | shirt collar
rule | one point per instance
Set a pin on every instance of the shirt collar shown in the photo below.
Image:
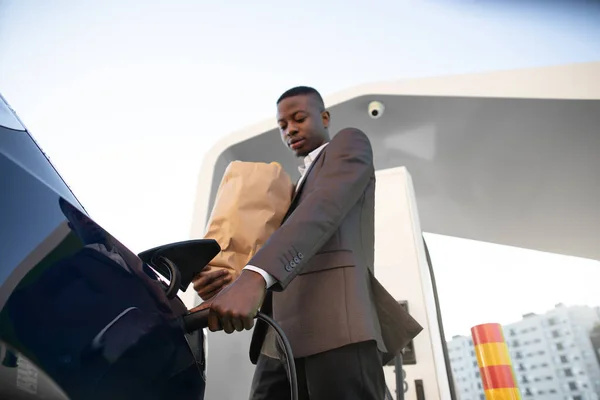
(310, 158)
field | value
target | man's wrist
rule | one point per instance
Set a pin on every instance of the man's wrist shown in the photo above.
(253, 275)
(268, 279)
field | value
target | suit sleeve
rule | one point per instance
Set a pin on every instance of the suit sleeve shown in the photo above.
(339, 185)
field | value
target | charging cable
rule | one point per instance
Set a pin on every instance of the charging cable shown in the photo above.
(199, 320)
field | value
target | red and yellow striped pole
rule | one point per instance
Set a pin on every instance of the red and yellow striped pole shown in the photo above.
(497, 375)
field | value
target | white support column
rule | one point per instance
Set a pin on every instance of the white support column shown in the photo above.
(401, 266)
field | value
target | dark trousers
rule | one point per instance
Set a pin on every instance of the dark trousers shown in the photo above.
(352, 372)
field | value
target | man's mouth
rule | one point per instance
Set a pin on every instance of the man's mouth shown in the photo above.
(296, 143)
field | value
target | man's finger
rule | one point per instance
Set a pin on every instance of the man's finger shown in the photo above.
(213, 323)
(203, 272)
(238, 324)
(204, 305)
(211, 292)
(205, 278)
(248, 323)
(227, 325)
(208, 296)
(214, 286)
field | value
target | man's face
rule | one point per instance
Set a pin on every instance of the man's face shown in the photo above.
(302, 124)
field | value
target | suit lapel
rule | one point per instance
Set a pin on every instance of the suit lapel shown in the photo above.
(300, 185)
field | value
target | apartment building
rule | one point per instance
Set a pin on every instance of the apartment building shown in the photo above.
(552, 354)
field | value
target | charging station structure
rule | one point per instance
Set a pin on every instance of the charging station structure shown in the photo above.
(490, 157)
(401, 265)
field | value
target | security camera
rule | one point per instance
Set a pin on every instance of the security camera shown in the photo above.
(376, 109)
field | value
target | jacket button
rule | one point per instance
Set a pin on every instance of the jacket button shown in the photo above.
(296, 260)
(288, 268)
(300, 256)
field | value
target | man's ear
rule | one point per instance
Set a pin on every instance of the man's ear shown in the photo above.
(325, 117)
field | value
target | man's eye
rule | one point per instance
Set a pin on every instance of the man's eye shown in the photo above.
(300, 119)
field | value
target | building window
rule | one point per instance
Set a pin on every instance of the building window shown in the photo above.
(552, 321)
(573, 386)
(560, 346)
(568, 372)
(564, 359)
(555, 334)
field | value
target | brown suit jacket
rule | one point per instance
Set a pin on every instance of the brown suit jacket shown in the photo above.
(322, 257)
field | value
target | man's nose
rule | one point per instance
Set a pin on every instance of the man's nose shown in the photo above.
(291, 131)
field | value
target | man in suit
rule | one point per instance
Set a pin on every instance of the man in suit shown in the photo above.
(315, 273)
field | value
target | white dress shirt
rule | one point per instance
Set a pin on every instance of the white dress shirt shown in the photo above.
(308, 160)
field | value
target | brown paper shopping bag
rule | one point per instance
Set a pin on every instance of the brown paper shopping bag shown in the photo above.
(250, 205)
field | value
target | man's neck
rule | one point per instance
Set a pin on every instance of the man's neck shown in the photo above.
(315, 151)
(311, 151)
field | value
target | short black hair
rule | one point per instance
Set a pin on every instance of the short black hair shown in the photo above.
(303, 91)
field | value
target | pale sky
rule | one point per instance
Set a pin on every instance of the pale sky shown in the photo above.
(127, 96)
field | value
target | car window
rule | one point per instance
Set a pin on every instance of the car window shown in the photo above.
(21, 149)
(30, 215)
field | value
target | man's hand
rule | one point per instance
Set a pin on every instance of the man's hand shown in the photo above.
(237, 305)
(211, 281)
(202, 306)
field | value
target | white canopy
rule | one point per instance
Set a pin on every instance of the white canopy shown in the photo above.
(510, 157)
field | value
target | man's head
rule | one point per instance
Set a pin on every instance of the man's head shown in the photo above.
(303, 120)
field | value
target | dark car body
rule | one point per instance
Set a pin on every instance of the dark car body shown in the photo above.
(82, 317)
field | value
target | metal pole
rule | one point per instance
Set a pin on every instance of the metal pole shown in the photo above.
(497, 375)
(399, 378)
